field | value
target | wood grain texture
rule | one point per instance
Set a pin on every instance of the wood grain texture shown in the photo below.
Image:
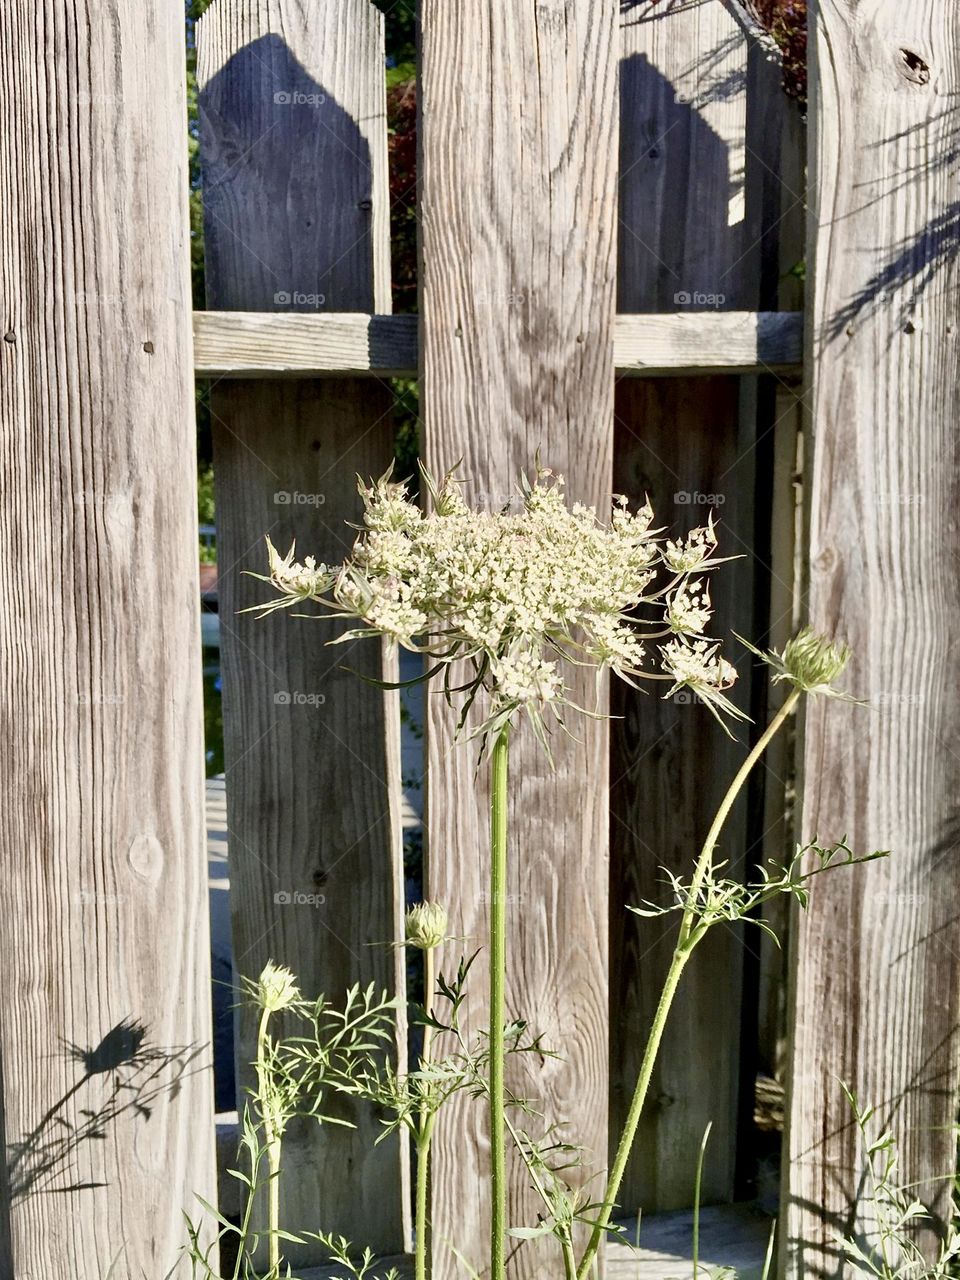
(877, 976)
(518, 172)
(694, 234)
(294, 153)
(695, 342)
(105, 1002)
(261, 344)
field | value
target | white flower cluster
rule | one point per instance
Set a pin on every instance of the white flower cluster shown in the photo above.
(516, 593)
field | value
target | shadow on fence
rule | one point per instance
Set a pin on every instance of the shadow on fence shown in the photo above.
(137, 1076)
(244, 169)
(916, 262)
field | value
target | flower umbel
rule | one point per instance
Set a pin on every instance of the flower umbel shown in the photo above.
(518, 593)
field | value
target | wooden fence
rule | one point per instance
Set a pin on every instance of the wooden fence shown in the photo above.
(614, 206)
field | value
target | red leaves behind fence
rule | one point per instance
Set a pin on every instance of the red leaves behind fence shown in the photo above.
(402, 125)
(786, 20)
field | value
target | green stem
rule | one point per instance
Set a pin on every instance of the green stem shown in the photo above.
(273, 1169)
(716, 827)
(423, 1186)
(569, 1261)
(680, 957)
(425, 1132)
(498, 952)
(686, 942)
(272, 1143)
(247, 1214)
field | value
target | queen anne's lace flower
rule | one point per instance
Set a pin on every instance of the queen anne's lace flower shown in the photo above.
(516, 592)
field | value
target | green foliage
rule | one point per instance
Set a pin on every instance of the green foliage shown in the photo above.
(401, 38)
(716, 898)
(293, 1075)
(889, 1249)
(194, 10)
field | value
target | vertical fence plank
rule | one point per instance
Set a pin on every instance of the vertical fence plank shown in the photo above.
(877, 976)
(518, 217)
(105, 1001)
(692, 236)
(295, 193)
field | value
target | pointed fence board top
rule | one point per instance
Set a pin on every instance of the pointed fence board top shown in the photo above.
(106, 1104)
(294, 152)
(293, 116)
(518, 182)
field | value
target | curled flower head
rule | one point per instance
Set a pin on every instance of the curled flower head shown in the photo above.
(521, 593)
(425, 926)
(810, 662)
(294, 580)
(276, 988)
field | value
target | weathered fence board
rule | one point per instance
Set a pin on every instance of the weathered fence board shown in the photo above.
(294, 152)
(105, 1001)
(518, 212)
(877, 975)
(251, 344)
(693, 233)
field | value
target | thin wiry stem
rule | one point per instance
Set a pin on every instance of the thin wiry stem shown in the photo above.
(686, 943)
(498, 950)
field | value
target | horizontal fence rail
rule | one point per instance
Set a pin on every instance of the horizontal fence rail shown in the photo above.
(253, 344)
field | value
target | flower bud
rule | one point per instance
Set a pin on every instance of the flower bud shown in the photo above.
(426, 925)
(812, 662)
(276, 988)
